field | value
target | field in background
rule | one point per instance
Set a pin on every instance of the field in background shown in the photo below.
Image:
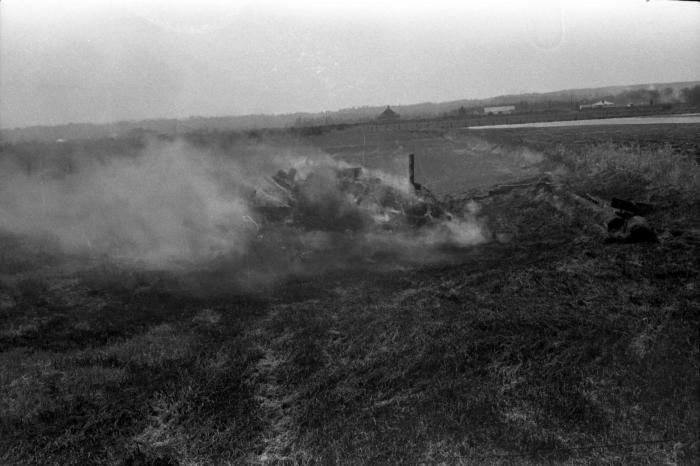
(545, 345)
(692, 118)
(682, 138)
(464, 160)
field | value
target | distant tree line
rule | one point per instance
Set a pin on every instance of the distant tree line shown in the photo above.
(691, 95)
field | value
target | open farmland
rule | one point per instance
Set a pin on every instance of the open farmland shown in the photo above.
(543, 343)
(682, 138)
(446, 162)
(467, 159)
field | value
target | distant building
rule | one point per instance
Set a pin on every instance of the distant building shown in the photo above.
(599, 104)
(388, 115)
(503, 109)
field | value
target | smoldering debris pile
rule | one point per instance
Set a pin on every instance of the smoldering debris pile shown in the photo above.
(343, 200)
(333, 216)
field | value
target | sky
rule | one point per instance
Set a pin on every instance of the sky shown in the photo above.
(99, 61)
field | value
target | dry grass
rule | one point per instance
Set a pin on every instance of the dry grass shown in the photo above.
(659, 168)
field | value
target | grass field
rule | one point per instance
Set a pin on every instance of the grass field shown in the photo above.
(682, 138)
(544, 345)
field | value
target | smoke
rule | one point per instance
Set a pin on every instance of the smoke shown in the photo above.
(257, 214)
(167, 205)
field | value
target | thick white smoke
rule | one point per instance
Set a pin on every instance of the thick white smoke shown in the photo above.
(169, 204)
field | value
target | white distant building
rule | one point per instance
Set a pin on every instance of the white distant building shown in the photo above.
(599, 104)
(499, 110)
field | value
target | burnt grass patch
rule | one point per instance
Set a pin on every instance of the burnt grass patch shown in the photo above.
(544, 346)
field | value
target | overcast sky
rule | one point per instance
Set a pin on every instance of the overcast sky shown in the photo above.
(96, 61)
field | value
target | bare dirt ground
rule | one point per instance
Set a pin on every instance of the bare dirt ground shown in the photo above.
(544, 344)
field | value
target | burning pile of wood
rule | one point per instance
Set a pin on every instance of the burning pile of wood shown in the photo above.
(342, 199)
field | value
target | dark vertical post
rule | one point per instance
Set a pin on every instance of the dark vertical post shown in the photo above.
(411, 179)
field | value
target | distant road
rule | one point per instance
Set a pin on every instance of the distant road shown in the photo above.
(647, 120)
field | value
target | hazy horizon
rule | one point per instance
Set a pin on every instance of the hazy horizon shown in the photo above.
(97, 62)
(332, 110)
